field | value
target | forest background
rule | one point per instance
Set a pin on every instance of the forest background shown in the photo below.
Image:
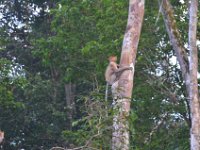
(53, 55)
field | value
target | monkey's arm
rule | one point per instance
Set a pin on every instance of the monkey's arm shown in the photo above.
(123, 69)
(119, 71)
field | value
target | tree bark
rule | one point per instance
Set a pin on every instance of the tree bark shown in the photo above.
(70, 94)
(120, 136)
(174, 36)
(194, 97)
(188, 68)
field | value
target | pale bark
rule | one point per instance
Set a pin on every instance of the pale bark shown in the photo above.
(188, 68)
(120, 137)
(194, 97)
(174, 36)
(70, 94)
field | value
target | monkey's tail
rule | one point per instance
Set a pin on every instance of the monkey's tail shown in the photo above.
(106, 93)
(106, 98)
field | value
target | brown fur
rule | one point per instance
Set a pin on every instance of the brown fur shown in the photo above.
(111, 69)
(113, 73)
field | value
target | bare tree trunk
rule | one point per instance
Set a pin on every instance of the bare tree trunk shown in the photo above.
(123, 87)
(70, 94)
(194, 97)
(174, 36)
(188, 68)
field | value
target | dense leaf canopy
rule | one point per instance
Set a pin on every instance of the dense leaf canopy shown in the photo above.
(47, 45)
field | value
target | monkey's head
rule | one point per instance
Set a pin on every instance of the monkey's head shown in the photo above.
(112, 58)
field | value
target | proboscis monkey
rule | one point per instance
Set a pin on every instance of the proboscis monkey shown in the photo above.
(111, 69)
(1, 136)
(113, 73)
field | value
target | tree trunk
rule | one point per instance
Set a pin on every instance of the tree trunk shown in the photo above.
(120, 136)
(188, 68)
(194, 97)
(70, 94)
(174, 36)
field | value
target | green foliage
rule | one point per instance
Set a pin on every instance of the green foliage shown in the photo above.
(70, 43)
